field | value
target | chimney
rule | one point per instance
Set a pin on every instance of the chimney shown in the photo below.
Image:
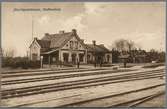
(46, 34)
(82, 40)
(35, 38)
(102, 45)
(94, 42)
(61, 32)
(74, 31)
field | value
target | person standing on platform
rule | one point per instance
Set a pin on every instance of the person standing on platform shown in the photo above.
(101, 62)
(124, 63)
(78, 63)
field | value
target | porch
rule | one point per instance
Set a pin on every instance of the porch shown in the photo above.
(64, 57)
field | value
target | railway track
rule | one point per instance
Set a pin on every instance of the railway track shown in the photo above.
(45, 72)
(38, 70)
(138, 101)
(10, 93)
(79, 102)
(114, 76)
(62, 76)
(145, 99)
(121, 103)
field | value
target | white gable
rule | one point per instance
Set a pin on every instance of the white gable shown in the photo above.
(74, 44)
(35, 45)
(35, 49)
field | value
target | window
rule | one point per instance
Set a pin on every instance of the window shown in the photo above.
(65, 57)
(34, 57)
(54, 59)
(88, 57)
(73, 58)
(76, 45)
(81, 56)
(35, 48)
(108, 58)
(71, 44)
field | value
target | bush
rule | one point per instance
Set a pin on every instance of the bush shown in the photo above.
(19, 62)
(34, 64)
(6, 62)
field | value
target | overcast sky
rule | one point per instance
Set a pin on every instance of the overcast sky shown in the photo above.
(142, 22)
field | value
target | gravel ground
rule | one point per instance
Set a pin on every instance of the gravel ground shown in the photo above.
(67, 96)
(5, 87)
(156, 102)
(61, 80)
(58, 98)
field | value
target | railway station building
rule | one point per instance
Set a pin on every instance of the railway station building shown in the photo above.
(67, 47)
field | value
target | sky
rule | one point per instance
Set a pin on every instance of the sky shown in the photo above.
(141, 22)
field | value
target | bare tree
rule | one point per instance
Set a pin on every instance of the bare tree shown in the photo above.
(131, 45)
(153, 50)
(124, 45)
(120, 44)
(10, 52)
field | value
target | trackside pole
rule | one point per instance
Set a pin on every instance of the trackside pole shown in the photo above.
(1, 55)
(78, 63)
(41, 61)
(0, 73)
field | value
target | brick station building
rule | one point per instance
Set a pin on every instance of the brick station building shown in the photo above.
(67, 47)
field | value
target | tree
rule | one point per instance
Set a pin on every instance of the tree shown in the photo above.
(115, 56)
(131, 45)
(161, 57)
(10, 52)
(126, 50)
(124, 45)
(154, 55)
(120, 45)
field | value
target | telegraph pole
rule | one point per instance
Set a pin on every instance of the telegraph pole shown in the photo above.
(32, 34)
(94, 44)
(1, 56)
(32, 26)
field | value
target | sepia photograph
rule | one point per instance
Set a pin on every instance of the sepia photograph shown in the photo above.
(83, 54)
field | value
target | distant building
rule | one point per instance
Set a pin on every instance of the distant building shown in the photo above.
(67, 47)
(134, 56)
